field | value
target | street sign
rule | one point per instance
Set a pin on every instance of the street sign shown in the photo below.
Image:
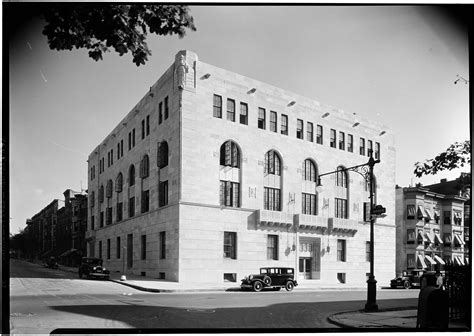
(378, 210)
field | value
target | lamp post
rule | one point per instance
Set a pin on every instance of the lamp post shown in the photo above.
(366, 170)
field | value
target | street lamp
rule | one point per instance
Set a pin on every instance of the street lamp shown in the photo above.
(366, 170)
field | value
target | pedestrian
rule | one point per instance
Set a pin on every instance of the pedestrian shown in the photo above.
(439, 280)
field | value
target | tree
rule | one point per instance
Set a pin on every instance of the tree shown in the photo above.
(100, 27)
(456, 156)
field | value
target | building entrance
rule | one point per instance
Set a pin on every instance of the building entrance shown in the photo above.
(309, 262)
(305, 268)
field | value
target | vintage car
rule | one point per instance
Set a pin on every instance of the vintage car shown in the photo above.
(270, 277)
(407, 279)
(92, 268)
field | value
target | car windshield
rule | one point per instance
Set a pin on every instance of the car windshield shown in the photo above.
(93, 261)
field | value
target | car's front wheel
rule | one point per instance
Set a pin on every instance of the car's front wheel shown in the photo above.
(257, 286)
(406, 284)
(289, 286)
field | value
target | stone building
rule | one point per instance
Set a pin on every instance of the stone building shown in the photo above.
(213, 175)
(430, 227)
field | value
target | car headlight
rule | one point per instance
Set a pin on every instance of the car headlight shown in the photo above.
(250, 277)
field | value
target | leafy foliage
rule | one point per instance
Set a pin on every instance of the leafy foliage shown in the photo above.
(457, 155)
(124, 28)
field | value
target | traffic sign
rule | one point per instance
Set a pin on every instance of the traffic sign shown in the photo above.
(378, 210)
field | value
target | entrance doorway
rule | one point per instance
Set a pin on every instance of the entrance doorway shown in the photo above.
(305, 267)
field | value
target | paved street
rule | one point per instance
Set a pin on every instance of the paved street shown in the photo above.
(42, 300)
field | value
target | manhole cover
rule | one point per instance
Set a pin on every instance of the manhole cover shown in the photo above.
(21, 314)
(197, 310)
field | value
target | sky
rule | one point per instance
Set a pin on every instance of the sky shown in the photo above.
(394, 64)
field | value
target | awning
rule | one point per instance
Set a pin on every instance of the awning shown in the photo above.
(420, 212)
(428, 213)
(467, 260)
(439, 260)
(411, 211)
(430, 260)
(438, 237)
(457, 214)
(458, 260)
(420, 235)
(421, 261)
(448, 239)
(411, 235)
(458, 240)
(436, 213)
(430, 238)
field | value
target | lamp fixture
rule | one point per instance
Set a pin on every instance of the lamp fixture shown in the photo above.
(325, 115)
(460, 78)
(252, 90)
(382, 133)
(356, 124)
(292, 103)
(206, 76)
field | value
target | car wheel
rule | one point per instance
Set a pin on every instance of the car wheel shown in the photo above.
(257, 286)
(406, 284)
(267, 281)
(289, 286)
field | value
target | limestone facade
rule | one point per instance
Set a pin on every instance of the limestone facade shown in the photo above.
(235, 191)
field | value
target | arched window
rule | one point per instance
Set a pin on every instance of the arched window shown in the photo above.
(101, 194)
(162, 154)
(341, 177)
(108, 190)
(272, 163)
(119, 183)
(341, 203)
(309, 200)
(131, 175)
(309, 170)
(229, 154)
(271, 185)
(145, 167)
(229, 182)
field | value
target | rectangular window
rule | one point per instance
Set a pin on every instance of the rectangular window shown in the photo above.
(160, 112)
(118, 248)
(309, 131)
(411, 237)
(447, 217)
(272, 247)
(230, 277)
(100, 249)
(121, 148)
(411, 263)
(299, 128)
(342, 144)
(350, 143)
(118, 150)
(341, 277)
(319, 134)
(131, 207)
(284, 124)
(217, 106)
(92, 222)
(332, 138)
(271, 199)
(369, 148)
(244, 114)
(101, 219)
(362, 146)
(230, 246)
(341, 250)
(411, 211)
(163, 196)
(230, 109)
(377, 151)
(261, 118)
(143, 129)
(108, 248)
(341, 208)
(133, 137)
(147, 125)
(167, 108)
(119, 211)
(273, 121)
(309, 204)
(109, 216)
(143, 247)
(367, 251)
(162, 245)
(145, 201)
(230, 194)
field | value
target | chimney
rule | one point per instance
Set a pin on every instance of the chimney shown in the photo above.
(443, 180)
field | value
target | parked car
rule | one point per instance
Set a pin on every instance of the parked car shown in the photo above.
(407, 279)
(271, 277)
(52, 263)
(92, 268)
